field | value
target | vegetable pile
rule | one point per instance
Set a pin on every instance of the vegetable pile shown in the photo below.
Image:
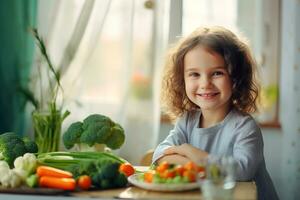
(95, 129)
(67, 171)
(20, 165)
(173, 174)
(105, 170)
(105, 175)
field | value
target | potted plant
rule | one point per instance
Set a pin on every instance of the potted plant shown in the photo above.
(47, 116)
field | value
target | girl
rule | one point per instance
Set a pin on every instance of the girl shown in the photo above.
(209, 87)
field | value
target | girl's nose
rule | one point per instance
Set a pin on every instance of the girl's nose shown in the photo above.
(205, 82)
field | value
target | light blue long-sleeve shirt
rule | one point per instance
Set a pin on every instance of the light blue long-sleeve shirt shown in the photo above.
(237, 135)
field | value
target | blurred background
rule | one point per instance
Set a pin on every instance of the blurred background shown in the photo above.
(110, 56)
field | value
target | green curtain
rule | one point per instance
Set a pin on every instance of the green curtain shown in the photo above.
(16, 56)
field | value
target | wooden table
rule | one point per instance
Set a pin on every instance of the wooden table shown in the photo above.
(243, 191)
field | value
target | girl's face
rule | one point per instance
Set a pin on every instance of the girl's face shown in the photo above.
(207, 81)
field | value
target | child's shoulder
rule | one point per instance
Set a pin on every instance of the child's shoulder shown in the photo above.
(243, 120)
(241, 115)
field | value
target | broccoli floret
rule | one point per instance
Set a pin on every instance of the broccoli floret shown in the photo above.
(11, 147)
(95, 129)
(95, 133)
(72, 135)
(31, 146)
(117, 137)
(110, 170)
(108, 176)
(96, 179)
(120, 180)
(106, 183)
(87, 167)
(84, 168)
(94, 118)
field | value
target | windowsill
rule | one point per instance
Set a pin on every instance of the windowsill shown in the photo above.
(272, 125)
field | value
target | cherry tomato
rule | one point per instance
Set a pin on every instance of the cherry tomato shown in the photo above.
(84, 182)
(127, 169)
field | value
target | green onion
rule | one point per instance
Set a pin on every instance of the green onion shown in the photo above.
(63, 160)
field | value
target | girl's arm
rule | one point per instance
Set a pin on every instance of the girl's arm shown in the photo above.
(176, 137)
(173, 159)
(188, 151)
(248, 151)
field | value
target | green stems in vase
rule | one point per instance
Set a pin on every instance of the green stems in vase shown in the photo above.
(47, 128)
(47, 116)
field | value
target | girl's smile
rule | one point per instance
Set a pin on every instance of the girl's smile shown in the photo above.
(208, 95)
(207, 81)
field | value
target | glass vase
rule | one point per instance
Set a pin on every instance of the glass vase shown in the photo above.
(47, 130)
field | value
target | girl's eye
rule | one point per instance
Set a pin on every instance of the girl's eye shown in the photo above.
(218, 73)
(194, 74)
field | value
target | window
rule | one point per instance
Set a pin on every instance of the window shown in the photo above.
(113, 53)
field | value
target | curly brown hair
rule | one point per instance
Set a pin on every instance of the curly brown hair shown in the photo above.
(239, 61)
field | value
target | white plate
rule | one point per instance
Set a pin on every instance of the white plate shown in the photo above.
(133, 179)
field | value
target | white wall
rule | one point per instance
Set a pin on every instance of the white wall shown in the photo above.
(290, 99)
(273, 156)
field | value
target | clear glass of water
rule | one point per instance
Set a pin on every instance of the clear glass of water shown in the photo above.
(219, 180)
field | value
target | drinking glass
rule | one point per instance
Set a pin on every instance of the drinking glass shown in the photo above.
(219, 180)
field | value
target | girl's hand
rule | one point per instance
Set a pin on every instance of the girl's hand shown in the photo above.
(186, 150)
(174, 159)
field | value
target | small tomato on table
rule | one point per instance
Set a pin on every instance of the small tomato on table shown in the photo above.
(127, 169)
(84, 182)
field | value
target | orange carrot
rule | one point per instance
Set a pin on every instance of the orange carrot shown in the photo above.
(58, 183)
(148, 176)
(53, 172)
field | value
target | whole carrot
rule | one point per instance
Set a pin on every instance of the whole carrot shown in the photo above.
(58, 183)
(53, 172)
